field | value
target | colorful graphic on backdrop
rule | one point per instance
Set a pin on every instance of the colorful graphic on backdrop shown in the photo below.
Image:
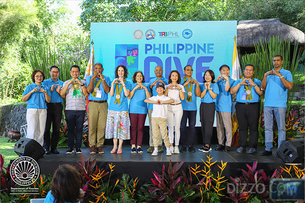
(127, 55)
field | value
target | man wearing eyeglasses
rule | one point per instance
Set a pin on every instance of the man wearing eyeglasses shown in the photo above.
(98, 87)
(192, 91)
(54, 112)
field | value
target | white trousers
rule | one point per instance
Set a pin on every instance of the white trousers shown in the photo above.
(36, 121)
(177, 111)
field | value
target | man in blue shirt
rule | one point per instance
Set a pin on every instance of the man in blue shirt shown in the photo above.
(247, 108)
(98, 89)
(54, 112)
(192, 91)
(152, 85)
(224, 109)
(276, 84)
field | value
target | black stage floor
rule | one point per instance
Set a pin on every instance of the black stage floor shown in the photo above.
(142, 165)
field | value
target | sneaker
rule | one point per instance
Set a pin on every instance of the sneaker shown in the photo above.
(171, 148)
(168, 152)
(206, 149)
(92, 150)
(241, 150)
(155, 152)
(100, 150)
(78, 151)
(192, 149)
(160, 149)
(69, 151)
(176, 150)
(140, 150)
(252, 150)
(201, 149)
(183, 149)
(150, 149)
(133, 150)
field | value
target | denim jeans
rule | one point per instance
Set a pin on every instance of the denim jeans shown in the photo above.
(279, 114)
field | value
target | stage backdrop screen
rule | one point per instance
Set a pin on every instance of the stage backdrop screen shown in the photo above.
(172, 45)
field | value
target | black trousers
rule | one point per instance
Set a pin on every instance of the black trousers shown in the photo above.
(247, 116)
(75, 120)
(54, 115)
(207, 114)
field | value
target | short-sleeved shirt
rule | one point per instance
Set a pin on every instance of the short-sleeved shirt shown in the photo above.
(55, 97)
(104, 95)
(276, 94)
(137, 104)
(159, 111)
(154, 91)
(241, 92)
(37, 100)
(74, 102)
(224, 99)
(124, 102)
(192, 105)
(207, 97)
(175, 93)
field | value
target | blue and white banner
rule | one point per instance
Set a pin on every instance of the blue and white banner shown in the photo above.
(172, 45)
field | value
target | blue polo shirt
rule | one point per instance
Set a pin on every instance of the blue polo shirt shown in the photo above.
(124, 102)
(37, 100)
(242, 89)
(101, 88)
(154, 91)
(207, 97)
(276, 94)
(137, 104)
(55, 97)
(192, 105)
(224, 99)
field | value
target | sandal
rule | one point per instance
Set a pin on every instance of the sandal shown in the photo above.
(119, 151)
(112, 151)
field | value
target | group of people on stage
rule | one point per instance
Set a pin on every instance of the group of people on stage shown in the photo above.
(169, 103)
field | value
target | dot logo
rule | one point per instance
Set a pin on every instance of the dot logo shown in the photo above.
(187, 33)
(138, 34)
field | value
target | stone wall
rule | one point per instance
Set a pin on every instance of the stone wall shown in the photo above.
(12, 117)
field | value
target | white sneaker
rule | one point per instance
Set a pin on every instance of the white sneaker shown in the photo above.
(155, 152)
(176, 150)
(171, 149)
(168, 152)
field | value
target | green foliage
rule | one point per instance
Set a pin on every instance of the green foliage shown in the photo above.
(289, 12)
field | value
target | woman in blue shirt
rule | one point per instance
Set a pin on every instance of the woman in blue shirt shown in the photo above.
(37, 97)
(118, 123)
(209, 91)
(138, 110)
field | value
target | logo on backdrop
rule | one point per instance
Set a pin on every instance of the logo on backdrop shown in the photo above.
(170, 34)
(127, 55)
(24, 171)
(150, 34)
(187, 33)
(138, 34)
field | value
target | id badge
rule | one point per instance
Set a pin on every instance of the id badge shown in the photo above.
(99, 94)
(244, 96)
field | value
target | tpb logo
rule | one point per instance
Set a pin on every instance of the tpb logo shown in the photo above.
(168, 34)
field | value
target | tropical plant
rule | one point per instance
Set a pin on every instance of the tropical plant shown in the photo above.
(128, 188)
(298, 173)
(253, 183)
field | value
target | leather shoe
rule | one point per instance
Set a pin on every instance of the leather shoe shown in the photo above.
(251, 150)
(219, 147)
(54, 151)
(92, 150)
(192, 149)
(266, 153)
(48, 151)
(241, 150)
(227, 149)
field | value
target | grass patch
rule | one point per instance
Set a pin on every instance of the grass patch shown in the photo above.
(302, 102)
(7, 150)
